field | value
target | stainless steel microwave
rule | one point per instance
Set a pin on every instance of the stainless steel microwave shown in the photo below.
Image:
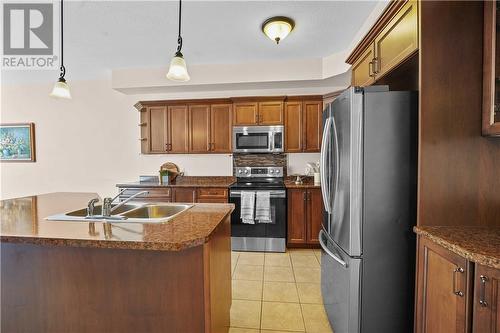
(258, 139)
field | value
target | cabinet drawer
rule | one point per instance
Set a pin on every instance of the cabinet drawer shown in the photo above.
(153, 192)
(212, 193)
(212, 200)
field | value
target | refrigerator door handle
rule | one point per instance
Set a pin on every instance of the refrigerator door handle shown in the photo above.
(323, 166)
(330, 253)
(336, 164)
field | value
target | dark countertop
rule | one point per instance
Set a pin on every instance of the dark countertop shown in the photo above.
(307, 182)
(23, 221)
(478, 244)
(187, 181)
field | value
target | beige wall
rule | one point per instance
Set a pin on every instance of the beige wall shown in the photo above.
(91, 142)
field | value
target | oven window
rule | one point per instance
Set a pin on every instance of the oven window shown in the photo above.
(252, 141)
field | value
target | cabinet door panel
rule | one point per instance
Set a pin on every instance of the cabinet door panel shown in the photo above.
(398, 40)
(157, 129)
(315, 215)
(296, 216)
(441, 274)
(271, 113)
(362, 70)
(184, 194)
(312, 126)
(486, 300)
(221, 128)
(178, 128)
(245, 113)
(293, 127)
(199, 129)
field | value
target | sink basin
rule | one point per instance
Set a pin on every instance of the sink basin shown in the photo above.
(98, 210)
(127, 213)
(155, 211)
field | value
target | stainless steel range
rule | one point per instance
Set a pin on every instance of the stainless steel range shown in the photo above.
(270, 236)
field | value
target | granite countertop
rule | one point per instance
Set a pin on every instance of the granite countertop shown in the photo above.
(307, 182)
(478, 244)
(187, 181)
(23, 221)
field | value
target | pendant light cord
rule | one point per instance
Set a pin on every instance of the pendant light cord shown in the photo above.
(62, 68)
(179, 38)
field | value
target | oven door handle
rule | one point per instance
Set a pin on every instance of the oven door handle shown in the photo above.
(274, 194)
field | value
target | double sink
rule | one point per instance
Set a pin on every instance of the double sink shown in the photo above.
(126, 213)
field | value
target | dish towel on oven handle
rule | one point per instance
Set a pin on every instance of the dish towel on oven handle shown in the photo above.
(263, 207)
(247, 207)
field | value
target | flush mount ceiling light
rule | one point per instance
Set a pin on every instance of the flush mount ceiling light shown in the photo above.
(278, 27)
(61, 88)
(178, 69)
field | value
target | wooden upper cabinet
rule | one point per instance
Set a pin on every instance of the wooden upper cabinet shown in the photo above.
(221, 128)
(178, 128)
(313, 122)
(303, 126)
(362, 69)
(199, 128)
(391, 41)
(442, 290)
(491, 71)
(398, 40)
(271, 113)
(293, 127)
(245, 113)
(486, 302)
(157, 137)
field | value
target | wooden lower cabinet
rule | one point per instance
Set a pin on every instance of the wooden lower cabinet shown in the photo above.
(304, 216)
(184, 194)
(486, 303)
(444, 290)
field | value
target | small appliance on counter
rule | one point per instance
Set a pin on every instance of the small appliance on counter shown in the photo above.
(254, 235)
(168, 172)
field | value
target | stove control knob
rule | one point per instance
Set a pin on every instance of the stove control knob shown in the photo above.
(239, 171)
(246, 171)
(271, 171)
(277, 170)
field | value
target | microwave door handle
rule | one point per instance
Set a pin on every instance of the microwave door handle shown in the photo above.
(271, 141)
(323, 165)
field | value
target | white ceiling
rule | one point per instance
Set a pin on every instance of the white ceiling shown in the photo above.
(105, 35)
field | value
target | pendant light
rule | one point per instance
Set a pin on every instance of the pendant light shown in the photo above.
(178, 69)
(61, 88)
(278, 27)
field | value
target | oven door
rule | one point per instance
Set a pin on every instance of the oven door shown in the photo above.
(259, 236)
(252, 140)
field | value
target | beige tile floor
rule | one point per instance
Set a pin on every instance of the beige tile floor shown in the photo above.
(277, 292)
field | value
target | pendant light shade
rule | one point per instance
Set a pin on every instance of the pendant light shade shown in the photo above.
(178, 69)
(277, 28)
(61, 88)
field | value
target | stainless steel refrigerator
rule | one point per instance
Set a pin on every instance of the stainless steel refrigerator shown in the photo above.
(368, 182)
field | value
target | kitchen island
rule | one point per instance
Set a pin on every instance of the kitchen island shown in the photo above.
(60, 276)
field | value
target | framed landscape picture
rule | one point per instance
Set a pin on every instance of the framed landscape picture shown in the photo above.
(17, 142)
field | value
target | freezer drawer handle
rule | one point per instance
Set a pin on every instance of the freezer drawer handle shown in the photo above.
(330, 253)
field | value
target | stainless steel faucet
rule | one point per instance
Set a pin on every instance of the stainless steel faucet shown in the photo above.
(107, 202)
(91, 206)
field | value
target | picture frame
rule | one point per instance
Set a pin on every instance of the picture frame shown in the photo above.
(17, 142)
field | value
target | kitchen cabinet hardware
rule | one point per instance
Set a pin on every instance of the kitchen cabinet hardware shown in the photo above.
(143, 139)
(455, 291)
(143, 124)
(482, 291)
(371, 72)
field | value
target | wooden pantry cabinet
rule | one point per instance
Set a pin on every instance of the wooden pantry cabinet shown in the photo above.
(305, 216)
(258, 111)
(303, 125)
(392, 40)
